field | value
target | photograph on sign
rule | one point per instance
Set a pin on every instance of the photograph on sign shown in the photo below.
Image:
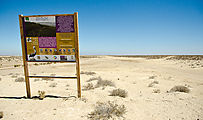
(49, 38)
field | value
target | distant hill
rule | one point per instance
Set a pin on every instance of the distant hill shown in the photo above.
(38, 30)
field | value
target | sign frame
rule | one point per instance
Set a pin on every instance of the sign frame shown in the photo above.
(77, 55)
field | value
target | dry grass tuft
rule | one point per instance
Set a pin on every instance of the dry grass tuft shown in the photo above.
(119, 92)
(153, 83)
(89, 86)
(94, 78)
(180, 88)
(152, 77)
(20, 79)
(1, 114)
(87, 73)
(41, 94)
(36, 79)
(14, 76)
(104, 83)
(105, 111)
(156, 91)
(53, 85)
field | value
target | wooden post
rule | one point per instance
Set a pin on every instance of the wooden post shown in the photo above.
(77, 55)
(26, 72)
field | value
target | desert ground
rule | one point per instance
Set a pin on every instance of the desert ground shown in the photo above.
(113, 87)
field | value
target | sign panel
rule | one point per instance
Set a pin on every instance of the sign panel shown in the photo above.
(49, 38)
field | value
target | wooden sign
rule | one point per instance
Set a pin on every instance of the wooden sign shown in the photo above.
(50, 38)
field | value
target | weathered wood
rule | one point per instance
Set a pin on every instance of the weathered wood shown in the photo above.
(24, 58)
(47, 15)
(61, 77)
(77, 55)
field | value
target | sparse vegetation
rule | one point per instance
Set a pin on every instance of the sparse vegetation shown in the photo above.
(180, 88)
(53, 85)
(41, 94)
(104, 83)
(37, 79)
(14, 76)
(153, 83)
(105, 111)
(169, 57)
(156, 91)
(119, 92)
(89, 86)
(94, 78)
(20, 79)
(90, 56)
(152, 77)
(16, 65)
(87, 73)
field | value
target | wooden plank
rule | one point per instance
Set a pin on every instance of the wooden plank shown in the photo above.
(77, 55)
(61, 77)
(55, 61)
(47, 15)
(26, 72)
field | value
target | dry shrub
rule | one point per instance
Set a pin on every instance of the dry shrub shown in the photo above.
(53, 85)
(37, 79)
(0, 79)
(87, 73)
(153, 83)
(152, 77)
(89, 86)
(180, 88)
(16, 65)
(20, 79)
(94, 78)
(119, 92)
(104, 83)
(156, 91)
(14, 76)
(1, 114)
(10, 74)
(105, 111)
(41, 94)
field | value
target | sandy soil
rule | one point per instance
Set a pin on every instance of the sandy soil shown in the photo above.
(132, 74)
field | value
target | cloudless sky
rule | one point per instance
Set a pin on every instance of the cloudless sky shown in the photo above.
(115, 26)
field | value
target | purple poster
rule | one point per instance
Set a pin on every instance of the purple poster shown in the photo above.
(47, 42)
(64, 24)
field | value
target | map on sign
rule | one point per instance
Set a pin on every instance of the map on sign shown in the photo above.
(49, 38)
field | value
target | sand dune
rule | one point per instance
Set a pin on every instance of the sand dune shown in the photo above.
(143, 85)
